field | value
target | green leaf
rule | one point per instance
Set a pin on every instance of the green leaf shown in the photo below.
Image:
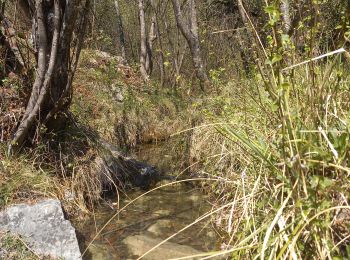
(276, 58)
(270, 9)
(321, 182)
(326, 182)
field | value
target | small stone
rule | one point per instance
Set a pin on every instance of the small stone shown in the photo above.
(119, 97)
(162, 212)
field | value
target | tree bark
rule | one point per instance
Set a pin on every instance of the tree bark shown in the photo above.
(156, 11)
(190, 32)
(151, 38)
(120, 30)
(143, 41)
(8, 38)
(287, 21)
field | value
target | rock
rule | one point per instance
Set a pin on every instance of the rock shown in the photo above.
(117, 93)
(93, 62)
(44, 227)
(99, 252)
(139, 244)
(162, 212)
(103, 54)
(158, 228)
(195, 198)
(119, 97)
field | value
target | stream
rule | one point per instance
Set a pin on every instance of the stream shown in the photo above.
(152, 218)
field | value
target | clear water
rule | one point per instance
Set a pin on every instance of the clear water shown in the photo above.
(158, 214)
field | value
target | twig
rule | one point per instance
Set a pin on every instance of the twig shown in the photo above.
(341, 50)
(230, 30)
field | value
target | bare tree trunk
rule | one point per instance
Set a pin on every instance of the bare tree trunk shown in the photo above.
(151, 38)
(287, 21)
(161, 56)
(143, 40)
(190, 32)
(243, 14)
(51, 93)
(157, 9)
(120, 30)
(172, 48)
(8, 39)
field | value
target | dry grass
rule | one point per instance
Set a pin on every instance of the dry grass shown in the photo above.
(286, 176)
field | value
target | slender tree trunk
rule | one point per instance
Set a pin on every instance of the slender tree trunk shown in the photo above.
(143, 40)
(157, 9)
(287, 21)
(150, 39)
(161, 54)
(243, 14)
(14, 57)
(190, 32)
(245, 36)
(172, 49)
(120, 30)
(51, 93)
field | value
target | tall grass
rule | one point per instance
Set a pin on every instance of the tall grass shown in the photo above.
(283, 143)
(287, 165)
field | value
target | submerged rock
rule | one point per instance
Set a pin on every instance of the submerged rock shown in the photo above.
(158, 228)
(139, 244)
(100, 252)
(44, 227)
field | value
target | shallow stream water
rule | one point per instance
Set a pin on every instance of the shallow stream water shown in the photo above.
(152, 218)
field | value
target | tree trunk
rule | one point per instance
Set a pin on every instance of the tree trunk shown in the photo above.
(14, 60)
(120, 30)
(54, 24)
(287, 21)
(143, 41)
(151, 38)
(190, 32)
(156, 10)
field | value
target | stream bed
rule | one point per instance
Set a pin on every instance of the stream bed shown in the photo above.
(151, 219)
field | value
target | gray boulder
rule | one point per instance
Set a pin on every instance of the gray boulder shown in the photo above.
(44, 227)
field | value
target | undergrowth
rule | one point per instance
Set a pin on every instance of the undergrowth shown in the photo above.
(111, 99)
(282, 150)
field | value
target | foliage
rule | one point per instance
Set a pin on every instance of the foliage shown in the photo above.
(282, 145)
